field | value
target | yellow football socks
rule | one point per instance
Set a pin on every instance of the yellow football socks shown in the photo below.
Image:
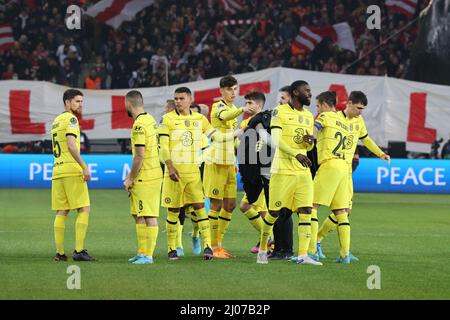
(141, 238)
(152, 235)
(180, 235)
(255, 219)
(203, 226)
(59, 226)
(304, 233)
(314, 229)
(328, 225)
(268, 222)
(172, 230)
(81, 225)
(224, 222)
(343, 233)
(214, 225)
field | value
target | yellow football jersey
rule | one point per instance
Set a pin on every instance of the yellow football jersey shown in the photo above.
(144, 134)
(332, 136)
(294, 124)
(186, 139)
(222, 151)
(64, 164)
(356, 131)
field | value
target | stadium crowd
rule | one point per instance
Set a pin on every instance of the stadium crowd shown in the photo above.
(191, 40)
(174, 42)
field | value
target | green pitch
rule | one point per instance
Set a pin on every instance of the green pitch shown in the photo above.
(406, 236)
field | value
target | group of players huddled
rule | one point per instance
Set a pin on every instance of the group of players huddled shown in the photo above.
(289, 161)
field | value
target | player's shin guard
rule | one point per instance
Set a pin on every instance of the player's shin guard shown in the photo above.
(203, 225)
(224, 222)
(268, 222)
(314, 229)
(214, 225)
(304, 233)
(328, 225)
(81, 225)
(343, 233)
(172, 229)
(255, 219)
(141, 238)
(59, 227)
(152, 235)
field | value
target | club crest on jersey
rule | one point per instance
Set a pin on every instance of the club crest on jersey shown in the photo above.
(300, 119)
(73, 120)
(357, 127)
(274, 113)
(351, 127)
(195, 123)
(187, 123)
(307, 121)
(220, 105)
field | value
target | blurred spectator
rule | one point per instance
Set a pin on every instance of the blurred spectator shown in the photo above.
(193, 40)
(445, 153)
(93, 81)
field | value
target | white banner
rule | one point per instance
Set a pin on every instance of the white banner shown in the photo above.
(398, 110)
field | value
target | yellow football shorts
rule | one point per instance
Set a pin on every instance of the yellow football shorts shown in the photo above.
(145, 197)
(331, 185)
(290, 191)
(260, 204)
(69, 193)
(177, 194)
(219, 181)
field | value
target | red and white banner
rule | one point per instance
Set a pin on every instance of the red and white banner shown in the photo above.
(114, 12)
(398, 110)
(406, 7)
(6, 37)
(341, 33)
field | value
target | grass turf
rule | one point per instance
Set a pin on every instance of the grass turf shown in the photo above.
(407, 236)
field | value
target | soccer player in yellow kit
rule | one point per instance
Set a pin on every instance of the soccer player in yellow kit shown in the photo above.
(331, 180)
(70, 173)
(291, 183)
(144, 180)
(357, 102)
(181, 138)
(219, 179)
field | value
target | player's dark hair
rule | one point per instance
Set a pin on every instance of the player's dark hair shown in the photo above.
(286, 89)
(135, 98)
(295, 85)
(228, 81)
(256, 96)
(358, 97)
(183, 90)
(69, 94)
(328, 97)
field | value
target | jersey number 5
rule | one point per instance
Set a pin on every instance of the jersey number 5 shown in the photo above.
(340, 145)
(56, 146)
